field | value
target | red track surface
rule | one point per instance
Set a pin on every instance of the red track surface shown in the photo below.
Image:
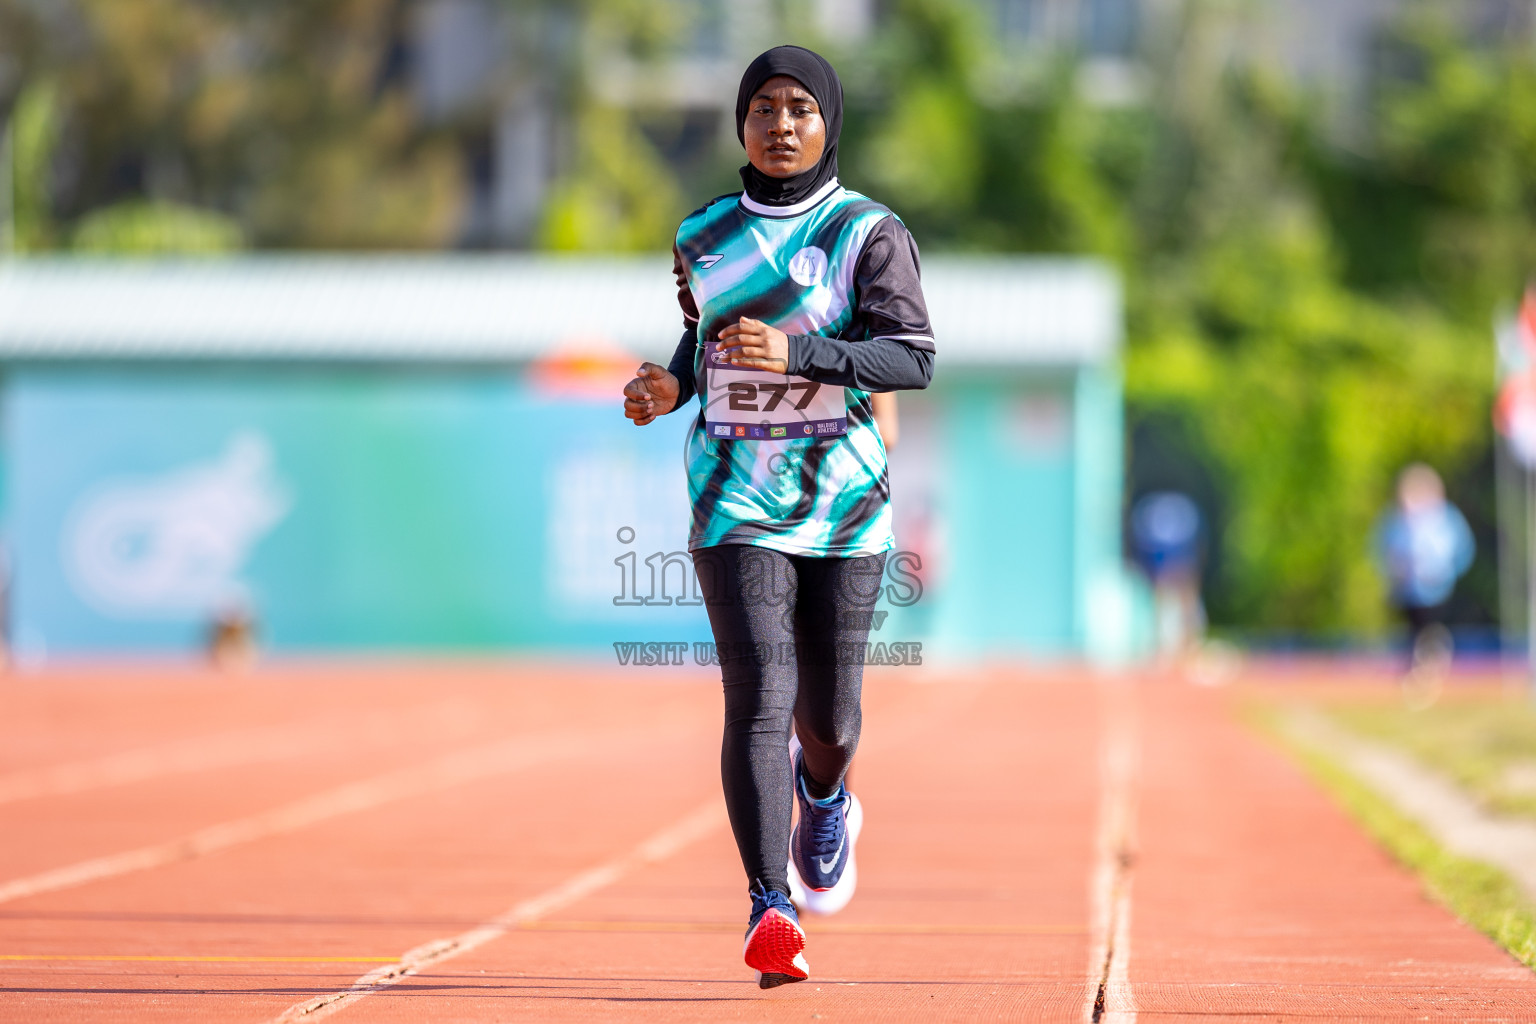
(298, 829)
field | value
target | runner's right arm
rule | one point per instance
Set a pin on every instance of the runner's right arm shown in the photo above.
(656, 391)
(681, 365)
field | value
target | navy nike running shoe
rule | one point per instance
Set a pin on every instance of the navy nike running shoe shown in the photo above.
(775, 945)
(821, 846)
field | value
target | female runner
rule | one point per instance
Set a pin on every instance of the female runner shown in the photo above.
(800, 299)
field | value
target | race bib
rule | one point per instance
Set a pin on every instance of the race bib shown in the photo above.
(760, 406)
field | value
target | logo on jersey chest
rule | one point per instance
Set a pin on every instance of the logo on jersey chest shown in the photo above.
(808, 266)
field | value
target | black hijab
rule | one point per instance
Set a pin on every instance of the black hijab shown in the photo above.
(812, 71)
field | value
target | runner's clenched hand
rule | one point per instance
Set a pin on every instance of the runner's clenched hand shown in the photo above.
(753, 345)
(652, 393)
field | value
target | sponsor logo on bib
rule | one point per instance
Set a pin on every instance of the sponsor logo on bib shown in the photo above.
(808, 266)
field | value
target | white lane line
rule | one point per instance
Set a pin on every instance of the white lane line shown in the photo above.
(456, 717)
(442, 773)
(1110, 999)
(659, 847)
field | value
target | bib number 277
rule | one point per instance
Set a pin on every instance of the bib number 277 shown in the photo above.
(745, 395)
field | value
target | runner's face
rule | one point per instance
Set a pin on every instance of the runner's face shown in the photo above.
(784, 132)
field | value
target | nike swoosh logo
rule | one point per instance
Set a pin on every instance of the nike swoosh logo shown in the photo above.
(831, 862)
(710, 260)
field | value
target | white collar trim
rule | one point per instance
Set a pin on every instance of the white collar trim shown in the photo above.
(794, 210)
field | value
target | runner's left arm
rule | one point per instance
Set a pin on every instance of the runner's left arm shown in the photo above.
(895, 350)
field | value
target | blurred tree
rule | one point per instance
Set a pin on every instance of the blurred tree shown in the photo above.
(126, 227)
(618, 195)
(34, 131)
(1437, 195)
(942, 125)
(329, 128)
(617, 192)
(289, 118)
(1311, 389)
(156, 228)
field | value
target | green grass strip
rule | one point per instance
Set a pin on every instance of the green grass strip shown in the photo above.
(1482, 896)
(1475, 741)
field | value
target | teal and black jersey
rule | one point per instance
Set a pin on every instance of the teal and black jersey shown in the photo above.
(794, 461)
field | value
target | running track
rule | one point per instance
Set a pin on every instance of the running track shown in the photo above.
(545, 842)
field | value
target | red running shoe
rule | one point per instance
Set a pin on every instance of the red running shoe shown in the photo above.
(775, 946)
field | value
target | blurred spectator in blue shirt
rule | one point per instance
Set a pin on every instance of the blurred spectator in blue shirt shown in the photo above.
(1166, 533)
(1424, 545)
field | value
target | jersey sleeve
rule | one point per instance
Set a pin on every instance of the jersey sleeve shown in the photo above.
(888, 289)
(681, 367)
(878, 364)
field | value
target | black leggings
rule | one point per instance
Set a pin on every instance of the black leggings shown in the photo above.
(790, 632)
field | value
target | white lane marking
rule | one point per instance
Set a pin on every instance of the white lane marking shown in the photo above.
(230, 749)
(439, 774)
(1110, 999)
(659, 847)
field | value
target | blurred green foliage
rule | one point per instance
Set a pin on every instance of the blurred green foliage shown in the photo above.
(617, 191)
(139, 227)
(148, 227)
(279, 122)
(34, 132)
(132, 226)
(618, 195)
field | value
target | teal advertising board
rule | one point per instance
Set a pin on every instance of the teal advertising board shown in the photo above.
(356, 508)
(426, 453)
